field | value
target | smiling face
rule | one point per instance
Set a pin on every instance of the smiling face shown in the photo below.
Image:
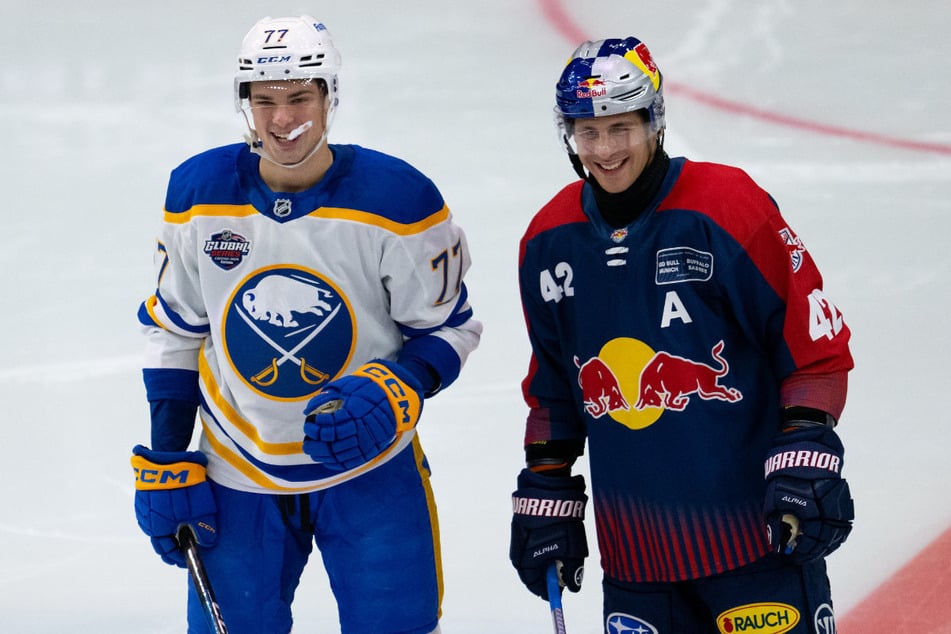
(290, 118)
(614, 149)
(279, 108)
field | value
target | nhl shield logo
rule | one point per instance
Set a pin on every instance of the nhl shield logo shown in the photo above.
(282, 207)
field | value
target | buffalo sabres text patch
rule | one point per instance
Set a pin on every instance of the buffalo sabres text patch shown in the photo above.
(683, 264)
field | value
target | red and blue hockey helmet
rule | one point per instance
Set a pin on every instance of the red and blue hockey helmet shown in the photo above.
(608, 77)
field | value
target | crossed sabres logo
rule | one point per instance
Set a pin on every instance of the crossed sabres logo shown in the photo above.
(287, 331)
(664, 382)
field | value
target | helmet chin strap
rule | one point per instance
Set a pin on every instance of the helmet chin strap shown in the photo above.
(579, 168)
(575, 161)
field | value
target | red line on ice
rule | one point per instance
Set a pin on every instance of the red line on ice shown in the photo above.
(558, 18)
(914, 599)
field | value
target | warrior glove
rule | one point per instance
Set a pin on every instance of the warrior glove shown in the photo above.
(548, 527)
(357, 417)
(171, 492)
(809, 508)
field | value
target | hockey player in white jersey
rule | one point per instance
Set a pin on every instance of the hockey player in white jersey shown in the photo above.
(310, 297)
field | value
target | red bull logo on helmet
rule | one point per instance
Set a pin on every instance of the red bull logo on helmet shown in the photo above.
(632, 384)
(590, 88)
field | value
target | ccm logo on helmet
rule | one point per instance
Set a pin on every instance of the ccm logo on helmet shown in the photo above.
(273, 59)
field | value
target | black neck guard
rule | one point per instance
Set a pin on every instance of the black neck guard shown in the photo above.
(620, 209)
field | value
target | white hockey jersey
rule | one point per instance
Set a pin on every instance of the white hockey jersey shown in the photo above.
(269, 296)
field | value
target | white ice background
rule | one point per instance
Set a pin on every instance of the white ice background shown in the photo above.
(100, 99)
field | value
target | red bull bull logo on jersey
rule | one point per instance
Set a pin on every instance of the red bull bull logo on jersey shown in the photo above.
(619, 235)
(670, 381)
(602, 392)
(628, 371)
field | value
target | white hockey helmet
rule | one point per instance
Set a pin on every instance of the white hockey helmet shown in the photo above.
(291, 48)
(287, 48)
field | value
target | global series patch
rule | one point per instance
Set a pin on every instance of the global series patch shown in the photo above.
(227, 249)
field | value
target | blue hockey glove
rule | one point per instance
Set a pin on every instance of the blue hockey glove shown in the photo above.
(355, 418)
(809, 509)
(548, 526)
(170, 492)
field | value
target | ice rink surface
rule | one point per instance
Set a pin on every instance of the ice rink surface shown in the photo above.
(101, 100)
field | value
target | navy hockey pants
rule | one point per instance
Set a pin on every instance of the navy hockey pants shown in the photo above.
(771, 595)
(377, 535)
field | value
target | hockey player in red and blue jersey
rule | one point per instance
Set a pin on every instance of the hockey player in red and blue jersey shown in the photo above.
(309, 298)
(679, 327)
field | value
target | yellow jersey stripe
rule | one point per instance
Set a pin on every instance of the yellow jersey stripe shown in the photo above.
(257, 476)
(337, 213)
(246, 428)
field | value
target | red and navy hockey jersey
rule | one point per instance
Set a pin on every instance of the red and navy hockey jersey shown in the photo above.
(671, 345)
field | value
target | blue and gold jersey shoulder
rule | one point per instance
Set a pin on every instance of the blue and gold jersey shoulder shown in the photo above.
(381, 185)
(361, 185)
(208, 178)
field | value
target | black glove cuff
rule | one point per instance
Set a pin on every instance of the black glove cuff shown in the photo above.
(528, 479)
(554, 454)
(796, 416)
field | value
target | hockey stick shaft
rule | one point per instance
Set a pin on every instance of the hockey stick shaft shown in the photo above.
(186, 541)
(554, 600)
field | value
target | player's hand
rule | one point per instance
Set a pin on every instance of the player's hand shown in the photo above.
(548, 526)
(809, 509)
(171, 492)
(357, 417)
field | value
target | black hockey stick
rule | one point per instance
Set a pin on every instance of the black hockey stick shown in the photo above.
(186, 541)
